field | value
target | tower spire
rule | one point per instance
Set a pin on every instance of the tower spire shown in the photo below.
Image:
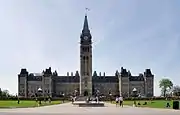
(86, 34)
(85, 26)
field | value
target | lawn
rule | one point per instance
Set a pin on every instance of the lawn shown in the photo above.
(24, 104)
(151, 104)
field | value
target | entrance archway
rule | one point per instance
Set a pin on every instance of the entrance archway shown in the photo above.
(85, 93)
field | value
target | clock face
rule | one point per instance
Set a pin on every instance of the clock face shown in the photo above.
(85, 37)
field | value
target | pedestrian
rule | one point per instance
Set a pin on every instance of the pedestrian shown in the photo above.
(117, 100)
(49, 99)
(63, 100)
(97, 98)
(168, 105)
(121, 101)
(18, 100)
(72, 99)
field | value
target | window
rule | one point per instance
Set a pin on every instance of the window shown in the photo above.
(85, 83)
(85, 49)
(86, 73)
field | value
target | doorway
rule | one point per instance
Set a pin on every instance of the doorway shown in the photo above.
(85, 93)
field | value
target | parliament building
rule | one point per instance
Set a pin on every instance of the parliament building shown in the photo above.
(86, 82)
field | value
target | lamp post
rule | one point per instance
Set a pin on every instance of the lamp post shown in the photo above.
(39, 94)
(110, 95)
(17, 98)
(63, 97)
(134, 95)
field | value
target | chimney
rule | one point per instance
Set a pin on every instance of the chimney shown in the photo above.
(67, 73)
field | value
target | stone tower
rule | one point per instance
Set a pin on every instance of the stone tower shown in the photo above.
(149, 83)
(85, 60)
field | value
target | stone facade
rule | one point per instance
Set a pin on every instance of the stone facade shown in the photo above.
(85, 82)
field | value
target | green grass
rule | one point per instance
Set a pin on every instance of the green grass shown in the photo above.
(151, 104)
(24, 104)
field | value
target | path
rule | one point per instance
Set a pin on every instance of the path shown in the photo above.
(69, 109)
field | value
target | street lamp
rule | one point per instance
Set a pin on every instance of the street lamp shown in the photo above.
(63, 97)
(134, 92)
(17, 96)
(39, 94)
(134, 95)
(110, 95)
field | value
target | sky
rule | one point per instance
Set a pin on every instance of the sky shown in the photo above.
(135, 34)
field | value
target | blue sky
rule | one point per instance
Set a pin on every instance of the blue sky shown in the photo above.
(135, 34)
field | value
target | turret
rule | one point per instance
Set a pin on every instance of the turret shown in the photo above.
(71, 73)
(55, 73)
(23, 72)
(23, 81)
(48, 72)
(95, 74)
(77, 74)
(149, 83)
(116, 73)
(148, 73)
(129, 73)
(123, 72)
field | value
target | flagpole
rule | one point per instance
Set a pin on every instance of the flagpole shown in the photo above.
(87, 9)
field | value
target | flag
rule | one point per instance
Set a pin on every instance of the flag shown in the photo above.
(87, 9)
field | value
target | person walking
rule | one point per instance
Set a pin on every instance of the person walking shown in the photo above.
(121, 101)
(117, 101)
(72, 99)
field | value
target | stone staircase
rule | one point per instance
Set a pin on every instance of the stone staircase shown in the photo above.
(81, 98)
(81, 102)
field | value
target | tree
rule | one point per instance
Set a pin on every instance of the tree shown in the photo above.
(165, 85)
(5, 94)
(0, 92)
(176, 90)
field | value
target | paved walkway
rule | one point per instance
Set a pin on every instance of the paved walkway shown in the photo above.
(69, 109)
